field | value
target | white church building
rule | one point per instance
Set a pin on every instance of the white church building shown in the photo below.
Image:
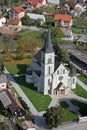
(48, 74)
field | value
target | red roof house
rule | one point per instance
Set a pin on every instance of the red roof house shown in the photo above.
(35, 3)
(17, 11)
(63, 20)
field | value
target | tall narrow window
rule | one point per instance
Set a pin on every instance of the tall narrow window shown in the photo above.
(73, 80)
(49, 70)
(63, 71)
(48, 82)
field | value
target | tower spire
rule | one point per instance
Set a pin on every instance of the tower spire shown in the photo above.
(48, 42)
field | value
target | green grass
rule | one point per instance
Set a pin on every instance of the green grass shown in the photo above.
(83, 79)
(39, 100)
(68, 115)
(31, 37)
(17, 66)
(80, 91)
(82, 106)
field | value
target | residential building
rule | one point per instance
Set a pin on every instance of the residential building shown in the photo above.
(47, 74)
(79, 9)
(68, 35)
(82, 40)
(17, 11)
(3, 82)
(15, 23)
(2, 21)
(63, 20)
(35, 3)
(11, 103)
(36, 17)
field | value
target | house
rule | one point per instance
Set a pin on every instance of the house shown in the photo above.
(2, 21)
(47, 74)
(67, 34)
(15, 23)
(64, 9)
(36, 17)
(82, 40)
(55, 2)
(35, 3)
(3, 82)
(79, 9)
(11, 103)
(17, 11)
(63, 20)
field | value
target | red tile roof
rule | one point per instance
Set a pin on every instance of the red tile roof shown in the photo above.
(33, 2)
(17, 9)
(13, 21)
(78, 9)
(64, 17)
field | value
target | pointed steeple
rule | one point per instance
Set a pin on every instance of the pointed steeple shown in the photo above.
(48, 47)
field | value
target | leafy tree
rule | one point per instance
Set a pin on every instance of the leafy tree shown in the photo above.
(20, 50)
(71, 3)
(63, 55)
(26, 20)
(56, 34)
(53, 116)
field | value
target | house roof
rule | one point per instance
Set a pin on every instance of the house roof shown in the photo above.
(5, 99)
(3, 79)
(33, 2)
(64, 17)
(13, 21)
(78, 9)
(17, 9)
(10, 101)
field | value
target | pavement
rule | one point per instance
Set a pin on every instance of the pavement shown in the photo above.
(81, 84)
(39, 119)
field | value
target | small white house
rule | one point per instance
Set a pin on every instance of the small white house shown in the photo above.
(3, 82)
(2, 21)
(35, 17)
(67, 34)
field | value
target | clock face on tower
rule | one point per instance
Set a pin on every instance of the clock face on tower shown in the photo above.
(60, 77)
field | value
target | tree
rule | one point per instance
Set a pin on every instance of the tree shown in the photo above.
(63, 55)
(71, 3)
(53, 116)
(26, 20)
(56, 34)
(20, 50)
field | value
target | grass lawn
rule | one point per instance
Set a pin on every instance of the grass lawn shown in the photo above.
(80, 91)
(68, 115)
(39, 100)
(17, 66)
(82, 106)
(31, 37)
(83, 79)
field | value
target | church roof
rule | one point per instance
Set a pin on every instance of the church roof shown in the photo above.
(48, 47)
(36, 68)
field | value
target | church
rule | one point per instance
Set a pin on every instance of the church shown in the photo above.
(49, 75)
